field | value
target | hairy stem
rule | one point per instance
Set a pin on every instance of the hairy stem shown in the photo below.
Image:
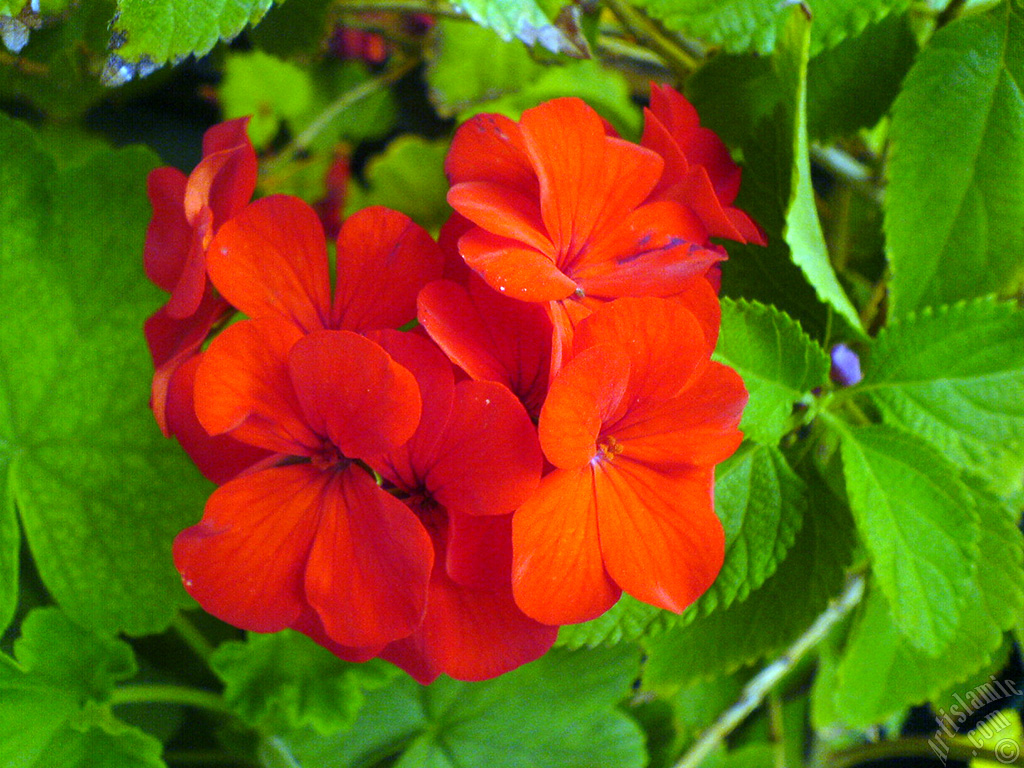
(678, 59)
(160, 693)
(765, 680)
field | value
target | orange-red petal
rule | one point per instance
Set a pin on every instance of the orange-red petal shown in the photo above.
(558, 576)
(271, 261)
(514, 269)
(660, 539)
(489, 147)
(245, 561)
(169, 235)
(384, 258)
(369, 565)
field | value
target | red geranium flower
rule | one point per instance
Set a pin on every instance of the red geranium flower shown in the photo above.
(634, 425)
(316, 535)
(563, 216)
(699, 172)
(187, 211)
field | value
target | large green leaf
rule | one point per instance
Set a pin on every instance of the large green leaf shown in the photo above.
(770, 617)
(284, 681)
(954, 376)
(920, 526)
(146, 34)
(956, 176)
(530, 21)
(52, 700)
(779, 364)
(99, 492)
(881, 673)
(754, 25)
(557, 712)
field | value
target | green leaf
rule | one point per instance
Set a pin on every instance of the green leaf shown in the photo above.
(273, 91)
(779, 363)
(920, 527)
(527, 20)
(409, 177)
(953, 216)
(753, 25)
(760, 105)
(49, 695)
(10, 544)
(100, 493)
(852, 86)
(772, 616)
(293, 28)
(146, 34)
(955, 377)
(557, 711)
(882, 673)
(285, 681)
(628, 619)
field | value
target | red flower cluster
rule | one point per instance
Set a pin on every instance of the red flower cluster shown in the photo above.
(386, 491)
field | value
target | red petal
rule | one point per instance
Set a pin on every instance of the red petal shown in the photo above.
(662, 360)
(502, 211)
(219, 458)
(660, 538)
(478, 550)
(226, 135)
(455, 268)
(310, 625)
(469, 634)
(383, 261)
(225, 179)
(351, 390)
(488, 461)
(586, 394)
(244, 562)
(514, 269)
(243, 387)
(369, 565)
(588, 181)
(558, 576)
(172, 340)
(169, 235)
(490, 147)
(271, 261)
(701, 297)
(192, 283)
(746, 227)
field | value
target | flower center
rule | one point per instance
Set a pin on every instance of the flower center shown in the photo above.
(608, 448)
(329, 456)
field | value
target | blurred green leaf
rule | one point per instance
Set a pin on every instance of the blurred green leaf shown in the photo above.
(955, 377)
(956, 175)
(371, 117)
(881, 673)
(293, 28)
(557, 712)
(852, 86)
(772, 616)
(100, 493)
(273, 91)
(409, 177)
(779, 363)
(146, 34)
(284, 681)
(920, 527)
(754, 25)
(50, 695)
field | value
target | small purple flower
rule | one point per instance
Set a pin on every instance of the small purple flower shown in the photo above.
(845, 366)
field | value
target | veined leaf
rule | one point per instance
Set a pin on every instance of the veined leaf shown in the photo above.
(779, 363)
(956, 176)
(920, 527)
(527, 20)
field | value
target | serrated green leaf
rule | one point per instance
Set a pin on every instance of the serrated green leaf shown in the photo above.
(881, 673)
(753, 25)
(146, 34)
(953, 207)
(628, 619)
(955, 377)
(779, 363)
(285, 681)
(49, 716)
(559, 711)
(409, 177)
(771, 616)
(100, 493)
(527, 20)
(852, 86)
(920, 526)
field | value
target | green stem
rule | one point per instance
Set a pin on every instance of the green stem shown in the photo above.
(919, 747)
(160, 693)
(192, 637)
(679, 60)
(350, 97)
(765, 680)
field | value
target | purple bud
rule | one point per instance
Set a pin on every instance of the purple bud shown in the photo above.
(845, 366)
